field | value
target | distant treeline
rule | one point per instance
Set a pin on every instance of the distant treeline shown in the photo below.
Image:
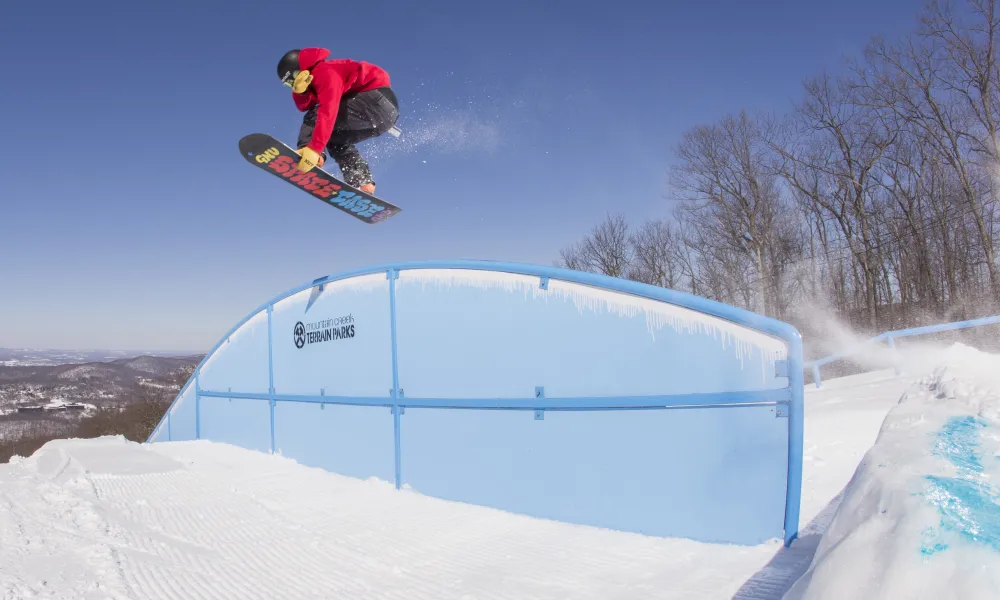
(873, 197)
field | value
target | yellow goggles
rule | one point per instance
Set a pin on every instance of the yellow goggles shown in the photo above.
(289, 79)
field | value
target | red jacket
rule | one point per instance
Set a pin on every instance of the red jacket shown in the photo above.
(332, 79)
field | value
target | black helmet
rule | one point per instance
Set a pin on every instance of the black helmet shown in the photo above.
(288, 67)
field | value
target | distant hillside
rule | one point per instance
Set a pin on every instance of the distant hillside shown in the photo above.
(121, 371)
(60, 394)
(156, 365)
(28, 357)
(121, 396)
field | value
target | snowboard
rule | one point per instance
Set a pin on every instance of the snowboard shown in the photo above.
(277, 158)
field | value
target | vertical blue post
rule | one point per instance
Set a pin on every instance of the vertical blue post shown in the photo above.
(398, 454)
(270, 371)
(197, 405)
(796, 410)
(391, 275)
(816, 377)
(169, 433)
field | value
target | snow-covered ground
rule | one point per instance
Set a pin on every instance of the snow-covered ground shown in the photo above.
(110, 519)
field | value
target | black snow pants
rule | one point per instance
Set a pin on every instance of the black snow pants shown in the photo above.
(361, 116)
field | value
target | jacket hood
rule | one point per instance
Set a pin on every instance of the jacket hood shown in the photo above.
(310, 57)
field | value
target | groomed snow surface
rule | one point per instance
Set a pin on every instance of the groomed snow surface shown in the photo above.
(919, 518)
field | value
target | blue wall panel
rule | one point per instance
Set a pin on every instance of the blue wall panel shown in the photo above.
(182, 418)
(346, 348)
(241, 362)
(159, 433)
(245, 423)
(474, 334)
(510, 380)
(711, 474)
(351, 440)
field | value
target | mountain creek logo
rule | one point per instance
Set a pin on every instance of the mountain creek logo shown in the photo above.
(326, 330)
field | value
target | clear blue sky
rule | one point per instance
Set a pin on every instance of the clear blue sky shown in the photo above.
(128, 220)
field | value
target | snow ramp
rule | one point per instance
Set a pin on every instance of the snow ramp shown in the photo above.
(920, 517)
(546, 392)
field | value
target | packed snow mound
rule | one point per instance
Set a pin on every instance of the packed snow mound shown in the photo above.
(921, 516)
(107, 518)
(66, 460)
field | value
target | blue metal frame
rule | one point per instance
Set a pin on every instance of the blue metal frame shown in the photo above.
(392, 275)
(890, 339)
(197, 404)
(705, 400)
(270, 370)
(790, 398)
(796, 438)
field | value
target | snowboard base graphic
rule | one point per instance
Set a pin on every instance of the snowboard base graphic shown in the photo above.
(277, 158)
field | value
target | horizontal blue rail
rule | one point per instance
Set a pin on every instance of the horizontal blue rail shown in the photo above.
(890, 336)
(708, 400)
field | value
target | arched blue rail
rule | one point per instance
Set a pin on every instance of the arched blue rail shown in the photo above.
(889, 337)
(687, 381)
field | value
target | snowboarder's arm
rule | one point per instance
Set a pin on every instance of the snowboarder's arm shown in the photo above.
(305, 101)
(328, 92)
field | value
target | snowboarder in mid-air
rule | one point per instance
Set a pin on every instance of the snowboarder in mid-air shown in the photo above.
(344, 102)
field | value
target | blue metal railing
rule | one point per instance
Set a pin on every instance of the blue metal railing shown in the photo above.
(788, 401)
(889, 337)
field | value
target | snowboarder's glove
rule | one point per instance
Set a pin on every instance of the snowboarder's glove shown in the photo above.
(310, 158)
(302, 81)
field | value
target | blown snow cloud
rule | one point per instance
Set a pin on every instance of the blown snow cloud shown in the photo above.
(458, 132)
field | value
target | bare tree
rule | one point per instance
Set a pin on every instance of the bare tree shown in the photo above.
(876, 194)
(838, 145)
(943, 81)
(657, 255)
(725, 185)
(572, 258)
(606, 250)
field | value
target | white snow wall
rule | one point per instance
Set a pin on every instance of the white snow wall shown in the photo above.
(541, 391)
